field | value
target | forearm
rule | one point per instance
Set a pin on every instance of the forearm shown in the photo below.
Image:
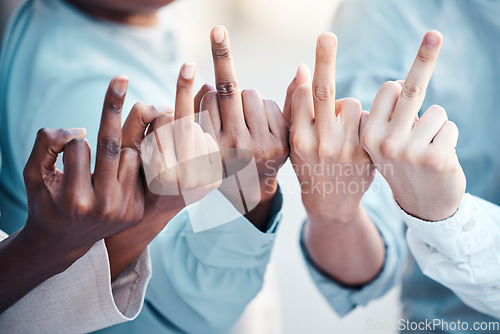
(125, 247)
(352, 252)
(26, 261)
(232, 258)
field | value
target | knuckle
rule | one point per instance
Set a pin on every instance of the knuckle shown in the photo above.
(114, 106)
(105, 211)
(391, 86)
(300, 145)
(138, 109)
(437, 111)
(432, 159)
(44, 134)
(77, 142)
(353, 104)
(223, 54)
(78, 205)
(323, 93)
(227, 89)
(410, 91)
(162, 120)
(389, 148)
(326, 151)
(250, 93)
(408, 153)
(368, 140)
(424, 57)
(110, 146)
(208, 98)
(207, 87)
(302, 91)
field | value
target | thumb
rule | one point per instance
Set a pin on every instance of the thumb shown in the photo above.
(140, 117)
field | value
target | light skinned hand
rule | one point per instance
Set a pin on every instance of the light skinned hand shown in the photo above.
(416, 156)
(178, 158)
(333, 169)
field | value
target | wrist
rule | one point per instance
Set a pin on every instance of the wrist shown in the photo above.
(268, 188)
(335, 216)
(40, 248)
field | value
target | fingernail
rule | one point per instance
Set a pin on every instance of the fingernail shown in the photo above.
(77, 132)
(300, 69)
(327, 40)
(431, 40)
(188, 71)
(119, 85)
(218, 34)
(165, 109)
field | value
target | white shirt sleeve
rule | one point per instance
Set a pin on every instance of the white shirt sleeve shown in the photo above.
(82, 298)
(462, 252)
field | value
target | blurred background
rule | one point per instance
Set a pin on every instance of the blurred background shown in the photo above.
(269, 39)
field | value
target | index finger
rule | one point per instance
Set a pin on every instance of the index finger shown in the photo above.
(413, 93)
(48, 145)
(109, 137)
(230, 101)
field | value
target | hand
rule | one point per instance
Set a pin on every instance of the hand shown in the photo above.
(74, 209)
(333, 169)
(180, 166)
(247, 128)
(417, 157)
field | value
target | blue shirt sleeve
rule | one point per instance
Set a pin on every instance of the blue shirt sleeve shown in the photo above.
(370, 53)
(203, 281)
(382, 210)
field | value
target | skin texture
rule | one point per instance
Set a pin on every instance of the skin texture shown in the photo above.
(426, 179)
(132, 12)
(425, 175)
(243, 120)
(339, 237)
(69, 212)
(125, 247)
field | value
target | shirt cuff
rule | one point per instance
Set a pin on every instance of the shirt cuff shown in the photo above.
(461, 235)
(344, 299)
(80, 299)
(235, 242)
(129, 288)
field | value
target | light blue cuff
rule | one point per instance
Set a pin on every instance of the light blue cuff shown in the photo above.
(344, 299)
(236, 244)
